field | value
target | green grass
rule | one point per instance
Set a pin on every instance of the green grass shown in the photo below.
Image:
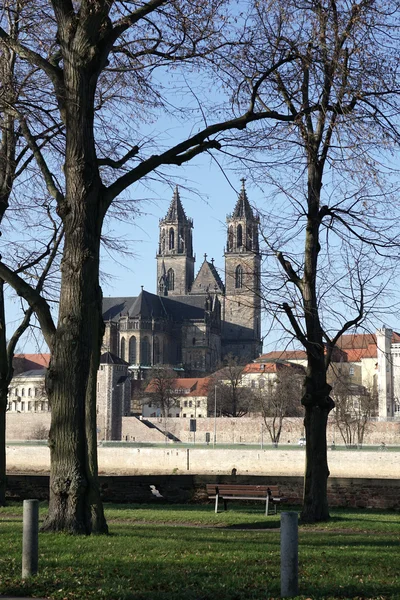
(161, 552)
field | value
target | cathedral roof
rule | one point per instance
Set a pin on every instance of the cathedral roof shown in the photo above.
(207, 279)
(111, 359)
(147, 305)
(243, 209)
(175, 211)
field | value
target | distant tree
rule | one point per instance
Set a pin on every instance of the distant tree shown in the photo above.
(279, 399)
(160, 389)
(330, 223)
(354, 407)
(232, 398)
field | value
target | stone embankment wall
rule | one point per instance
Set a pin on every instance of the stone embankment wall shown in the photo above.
(248, 430)
(126, 460)
(346, 492)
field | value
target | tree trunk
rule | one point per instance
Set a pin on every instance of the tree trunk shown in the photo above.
(315, 504)
(75, 505)
(3, 474)
(4, 383)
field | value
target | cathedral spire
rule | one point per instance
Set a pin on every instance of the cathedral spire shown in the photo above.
(243, 208)
(176, 211)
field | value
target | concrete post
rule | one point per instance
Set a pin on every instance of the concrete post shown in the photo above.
(289, 555)
(30, 538)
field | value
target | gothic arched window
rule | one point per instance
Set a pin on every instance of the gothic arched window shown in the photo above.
(123, 348)
(230, 238)
(181, 241)
(157, 353)
(171, 279)
(132, 350)
(239, 236)
(249, 238)
(171, 239)
(145, 351)
(239, 277)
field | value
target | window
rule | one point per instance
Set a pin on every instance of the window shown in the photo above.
(157, 353)
(249, 237)
(132, 350)
(171, 239)
(23, 392)
(123, 348)
(145, 351)
(239, 236)
(29, 391)
(194, 341)
(16, 392)
(184, 415)
(230, 238)
(351, 371)
(190, 403)
(171, 280)
(185, 403)
(239, 277)
(198, 403)
(22, 406)
(261, 383)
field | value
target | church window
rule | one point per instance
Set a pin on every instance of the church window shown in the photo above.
(132, 350)
(249, 238)
(239, 277)
(239, 236)
(123, 348)
(145, 351)
(157, 353)
(171, 239)
(181, 241)
(171, 279)
(230, 238)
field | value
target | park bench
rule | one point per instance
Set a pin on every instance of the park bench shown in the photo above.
(229, 491)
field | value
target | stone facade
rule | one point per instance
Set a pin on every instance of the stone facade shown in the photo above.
(191, 323)
(113, 396)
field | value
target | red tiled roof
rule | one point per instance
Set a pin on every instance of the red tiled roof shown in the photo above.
(283, 355)
(189, 387)
(27, 362)
(270, 367)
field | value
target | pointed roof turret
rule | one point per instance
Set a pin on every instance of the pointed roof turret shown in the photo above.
(175, 211)
(243, 208)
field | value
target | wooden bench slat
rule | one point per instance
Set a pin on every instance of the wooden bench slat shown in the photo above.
(226, 491)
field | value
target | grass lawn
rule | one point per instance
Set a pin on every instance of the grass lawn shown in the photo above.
(189, 553)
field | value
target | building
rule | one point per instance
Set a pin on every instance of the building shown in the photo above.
(188, 398)
(192, 322)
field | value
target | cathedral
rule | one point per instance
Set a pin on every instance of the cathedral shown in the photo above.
(192, 322)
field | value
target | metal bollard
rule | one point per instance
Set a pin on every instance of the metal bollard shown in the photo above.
(289, 555)
(30, 538)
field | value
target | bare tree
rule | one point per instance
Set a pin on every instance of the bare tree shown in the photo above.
(233, 398)
(35, 260)
(279, 399)
(96, 62)
(160, 390)
(331, 225)
(354, 407)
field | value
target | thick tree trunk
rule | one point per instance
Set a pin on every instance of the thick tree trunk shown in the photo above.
(3, 473)
(75, 504)
(4, 383)
(315, 504)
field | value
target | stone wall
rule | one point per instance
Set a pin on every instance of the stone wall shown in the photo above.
(345, 492)
(248, 430)
(25, 426)
(127, 460)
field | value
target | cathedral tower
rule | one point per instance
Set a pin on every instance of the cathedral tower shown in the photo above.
(242, 318)
(175, 260)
